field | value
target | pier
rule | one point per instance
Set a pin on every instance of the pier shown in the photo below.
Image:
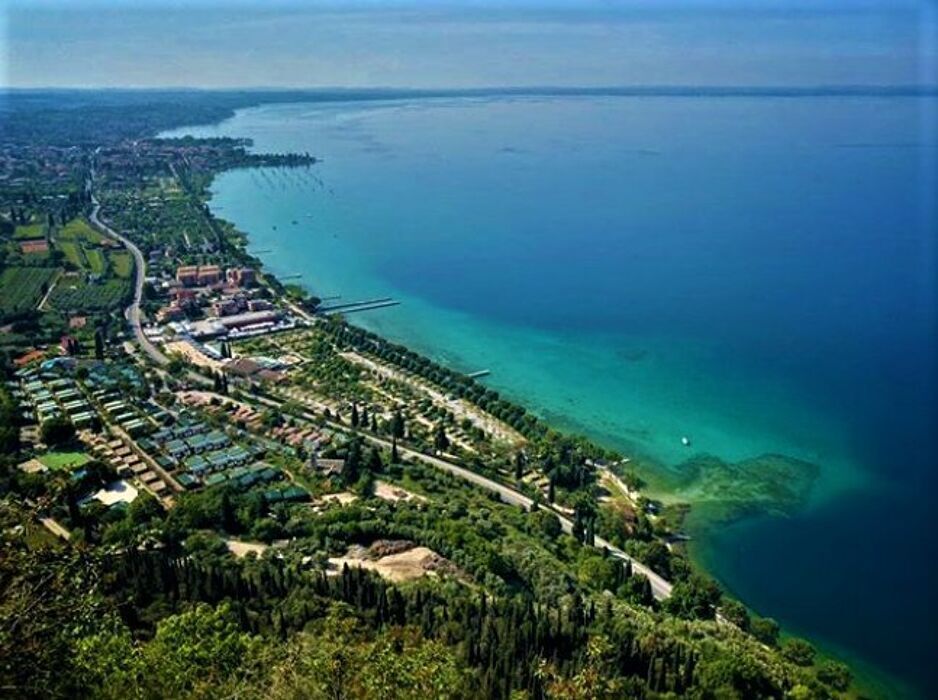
(352, 306)
(480, 373)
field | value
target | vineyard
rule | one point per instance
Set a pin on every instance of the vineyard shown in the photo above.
(21, 288)
(74, 293)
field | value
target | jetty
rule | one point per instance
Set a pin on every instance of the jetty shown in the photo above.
(353, 306)
(480, 373)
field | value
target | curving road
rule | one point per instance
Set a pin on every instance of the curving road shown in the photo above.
(132, 312)
(660, 587)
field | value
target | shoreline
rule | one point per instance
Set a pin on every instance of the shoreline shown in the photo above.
(446, 360)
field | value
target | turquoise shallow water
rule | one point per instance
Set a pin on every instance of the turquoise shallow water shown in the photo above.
(757, 274)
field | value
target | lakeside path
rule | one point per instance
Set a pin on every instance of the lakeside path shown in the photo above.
(458, 407)
(660, 587)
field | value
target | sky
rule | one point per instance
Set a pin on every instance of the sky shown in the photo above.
(468, 43)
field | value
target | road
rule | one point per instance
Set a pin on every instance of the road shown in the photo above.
(660, 587)
(132, 312)
(55, 528)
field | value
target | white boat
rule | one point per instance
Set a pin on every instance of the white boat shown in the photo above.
(685, 441)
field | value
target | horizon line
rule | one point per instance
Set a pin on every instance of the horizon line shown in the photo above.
(675, 89)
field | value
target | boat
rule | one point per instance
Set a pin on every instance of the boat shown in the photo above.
(685, 441)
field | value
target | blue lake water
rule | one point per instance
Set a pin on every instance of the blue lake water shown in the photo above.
(755, 273)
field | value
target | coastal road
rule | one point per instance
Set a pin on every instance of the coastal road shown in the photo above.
(132, 312)
(660, 587)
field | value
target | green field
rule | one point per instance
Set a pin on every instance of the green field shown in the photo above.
(30, 231)
(79, 244)
(79, 229)
(72, 252)
(96, 260)
(77, 294)
(21, 288)
(122, 264)
(64, 460)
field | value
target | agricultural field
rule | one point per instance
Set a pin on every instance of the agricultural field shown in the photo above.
(21, 288)
(122, 264)
(29, 231)
(74, 294)
(80, 230)
(97, 261)
(82, 247)
(73, 253)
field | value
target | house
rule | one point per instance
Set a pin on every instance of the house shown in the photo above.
(28, 358)
(69, 345)
(187, 275)
(209, 274)
(241, 276)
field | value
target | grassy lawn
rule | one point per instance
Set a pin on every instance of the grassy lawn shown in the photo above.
(79, 229)
(96, 260)
(30, 231)
(64, 460)
(72, 252)
(122, 264)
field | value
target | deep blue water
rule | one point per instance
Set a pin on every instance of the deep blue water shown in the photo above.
(756, 273)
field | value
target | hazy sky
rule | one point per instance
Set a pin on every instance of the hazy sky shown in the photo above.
(468, 43)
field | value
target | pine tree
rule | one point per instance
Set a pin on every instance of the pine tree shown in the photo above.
(440, 441)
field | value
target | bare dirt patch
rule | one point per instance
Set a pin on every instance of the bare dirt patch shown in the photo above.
(389, 492)
(396, 561)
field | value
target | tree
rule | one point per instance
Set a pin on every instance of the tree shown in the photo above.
(229, 521)
(351, 468)
(374, 463)
(440, 441)
(765, 629)
(145, 509)
(519, 466)
(355, 418)
(696, 597)
(395, 457)
(57, 431)
(99, 343)
(735, 612)
(835, 674)
(397, 425)
(798, 651)
(546, 523)
(199, 648)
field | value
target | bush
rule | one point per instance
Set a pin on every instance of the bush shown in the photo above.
(735, 612)
(835, 674)
(765, 629)
(798, 652)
